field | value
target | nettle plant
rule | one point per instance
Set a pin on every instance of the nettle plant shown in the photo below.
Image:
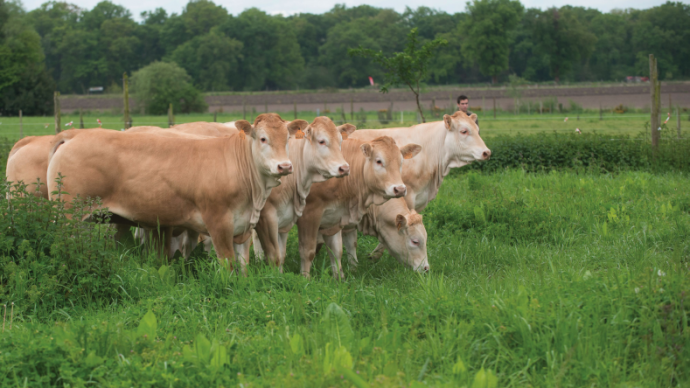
(49, 257)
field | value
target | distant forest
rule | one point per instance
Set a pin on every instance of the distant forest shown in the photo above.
(60, 46)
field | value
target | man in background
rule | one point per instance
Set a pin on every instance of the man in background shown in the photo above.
(464, 105)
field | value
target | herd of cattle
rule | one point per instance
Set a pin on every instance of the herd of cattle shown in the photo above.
(218, 183)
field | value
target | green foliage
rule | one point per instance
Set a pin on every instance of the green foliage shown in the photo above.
(487, 31)
(409, 67)
(159, 84)
(49, 259)
(563, 39)
(544, 152)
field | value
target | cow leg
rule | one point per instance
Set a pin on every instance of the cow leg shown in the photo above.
(161, 241)
(378, 251)
(350, 244)
(122, 231)
(335, 251)
(307, 232)
(190, 242)
(258, 250)
(220, 228)
(267, 231)
(282, 249)
(242, 254)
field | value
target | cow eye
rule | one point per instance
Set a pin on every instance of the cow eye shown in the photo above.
(379, 162)
(263, 139)
(322, 142)
(415, 242)
(464, 132)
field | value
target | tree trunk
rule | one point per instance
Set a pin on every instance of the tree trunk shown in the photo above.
(419, 107)
(494, 79)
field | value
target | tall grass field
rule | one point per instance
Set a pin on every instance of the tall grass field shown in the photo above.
(569, 274)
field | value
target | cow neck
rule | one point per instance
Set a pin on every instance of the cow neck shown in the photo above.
(360, 197)
(303, 176)
(434, 151)
(253, 182)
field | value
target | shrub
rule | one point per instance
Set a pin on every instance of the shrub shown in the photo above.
(49, 258)
(571, 151)
(159, 84)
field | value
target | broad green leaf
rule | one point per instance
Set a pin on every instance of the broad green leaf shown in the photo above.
(459, 367)
(297, 344)
(203, 349)
(337, 326)
(148, 326)
(485, 379)
(92, 360)
(220, 355)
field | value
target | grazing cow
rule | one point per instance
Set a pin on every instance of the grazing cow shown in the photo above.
(216, 186)
(200, 128)
(397, 228)
(316, 158)
(28, 163)
(375, 177)
(453, 142)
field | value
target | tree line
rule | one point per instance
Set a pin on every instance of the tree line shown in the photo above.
(60, 46)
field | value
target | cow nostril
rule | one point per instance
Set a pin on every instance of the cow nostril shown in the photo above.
(486, 154)
(285, 168)
(344, 169)
(400, 190)
(426, 268)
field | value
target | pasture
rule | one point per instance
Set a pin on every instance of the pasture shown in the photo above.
(565, 278)
(504, 123)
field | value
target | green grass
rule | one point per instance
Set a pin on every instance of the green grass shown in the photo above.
(505, 122)
(550, 279)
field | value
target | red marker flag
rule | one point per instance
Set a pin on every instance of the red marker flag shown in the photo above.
(668, 118)
(69, 124)
(99, 122)
(371, 81)
(566, 120)
(578, 131)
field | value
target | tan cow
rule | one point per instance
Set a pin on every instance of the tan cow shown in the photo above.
(200, 128)
(375, 168)
(398, 229)
(216, 186)
(453, 142)
(316, 158)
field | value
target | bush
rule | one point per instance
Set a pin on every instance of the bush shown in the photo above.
(49, 258)
(571, 151)
(159, 84)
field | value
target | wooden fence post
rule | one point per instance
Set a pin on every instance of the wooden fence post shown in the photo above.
(125, 95)
(494, 107)
(677, 119)
(171, 117)
(244, 109)
(21, 126)
(215, 116)
(81, 119)
(56, 107)
(655, 94)
(352, 109)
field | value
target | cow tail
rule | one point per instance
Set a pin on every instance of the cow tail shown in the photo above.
(60, 139)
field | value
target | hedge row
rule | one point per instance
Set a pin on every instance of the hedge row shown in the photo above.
(553, 151)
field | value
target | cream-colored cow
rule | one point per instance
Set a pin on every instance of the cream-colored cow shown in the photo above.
(315, 158)
(216, 186)
(453, 142)
(375, 177)
(398, 229)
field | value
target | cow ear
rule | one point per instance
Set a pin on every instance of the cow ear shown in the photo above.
(400, 221)
(410, 150)
(244, 127)
(346, 130)
(473, 117)
(448, 120)
(296, 127)
(366, 149)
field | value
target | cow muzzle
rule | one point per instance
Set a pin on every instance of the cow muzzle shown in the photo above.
(285, 168)
(398, 191)
(486, 155)
(344, 170)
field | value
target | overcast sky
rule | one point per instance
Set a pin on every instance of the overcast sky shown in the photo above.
(287, 7)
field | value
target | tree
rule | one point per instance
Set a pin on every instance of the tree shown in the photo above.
(159, 84)
(487, 32)
(409, 67)
(563, 39)
(211, 60)
(24, 83)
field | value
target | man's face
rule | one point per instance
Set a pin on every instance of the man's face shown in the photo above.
(463, 105)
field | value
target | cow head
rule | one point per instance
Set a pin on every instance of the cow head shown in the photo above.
(269, 138)
(463, 143)
(324, 148)
(405, 237)
(383, 166)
